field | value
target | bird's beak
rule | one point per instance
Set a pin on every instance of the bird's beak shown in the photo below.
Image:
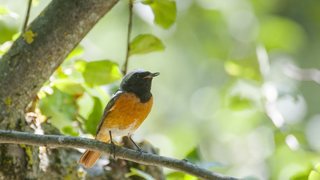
(152, 75)
(155, 74)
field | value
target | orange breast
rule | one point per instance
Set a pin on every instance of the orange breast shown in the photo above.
(126, 115)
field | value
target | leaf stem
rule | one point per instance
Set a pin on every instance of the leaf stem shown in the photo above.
(24, 28)
(125, 65)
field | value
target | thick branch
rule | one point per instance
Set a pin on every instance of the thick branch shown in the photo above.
(41, 49)
(16, 137)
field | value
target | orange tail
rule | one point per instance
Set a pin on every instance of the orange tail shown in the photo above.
(89, 158)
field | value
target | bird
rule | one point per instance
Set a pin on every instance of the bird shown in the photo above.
(125, 111)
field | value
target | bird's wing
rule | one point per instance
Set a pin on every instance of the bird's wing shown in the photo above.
(108, 107)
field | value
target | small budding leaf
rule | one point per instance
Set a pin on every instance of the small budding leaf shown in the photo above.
(8, 101)
(165, 12)
(145, 43)
(29, 36)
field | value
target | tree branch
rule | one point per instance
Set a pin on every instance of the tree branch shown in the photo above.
(16, 137)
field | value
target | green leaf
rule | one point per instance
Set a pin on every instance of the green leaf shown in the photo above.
(7, 12)
(145, 43)
(175, 176)
(101, 72)
(93, 120)
(300, 176)
(6, 32)
(180, 176)
(80, 65)
(281, 33)
(68, 86)
(165, 12)
(240, 103)
(194, 155)
(315, 173)
(70, 131)
(5, 47)
(75, 52)
(139, 173)
(16, 36)
(247, 68)
(60, 108)
(3, 11)
(147, 2)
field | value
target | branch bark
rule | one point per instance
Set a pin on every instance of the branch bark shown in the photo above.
(55, 141)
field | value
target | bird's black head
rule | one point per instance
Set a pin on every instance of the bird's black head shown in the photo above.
(139, 83)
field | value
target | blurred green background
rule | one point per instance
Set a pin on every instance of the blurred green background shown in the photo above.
(238, 91)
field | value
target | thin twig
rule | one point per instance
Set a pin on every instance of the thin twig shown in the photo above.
(24, 28)
(80, 121)
(16, 137)
(126, 61)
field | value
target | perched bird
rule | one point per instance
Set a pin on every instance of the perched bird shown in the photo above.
(125, 112)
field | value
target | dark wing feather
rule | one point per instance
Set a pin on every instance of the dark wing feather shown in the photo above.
(108, 107)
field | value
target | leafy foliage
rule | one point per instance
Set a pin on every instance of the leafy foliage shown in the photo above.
(100, 72)
(315, 173)
(6, 32)
(165, 12)
(78, 51)
(145, 43)
(180, 176)
(69, 87)
(281, 33)
(60, 108)
(139, 173)
(94, 118)
(3, 11)
(194, 155)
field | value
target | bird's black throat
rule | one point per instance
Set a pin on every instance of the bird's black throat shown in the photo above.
(144, 97)
(141, 89)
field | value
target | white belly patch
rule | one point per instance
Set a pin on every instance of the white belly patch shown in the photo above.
(116, 132)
